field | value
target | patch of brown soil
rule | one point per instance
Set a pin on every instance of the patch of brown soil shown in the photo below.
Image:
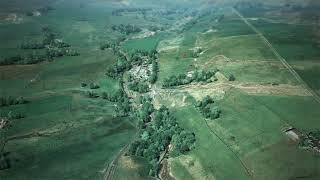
(165, 171)
(19, 71)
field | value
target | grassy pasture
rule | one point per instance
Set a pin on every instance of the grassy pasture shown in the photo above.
(146, 44)
(211, 158)
(81, 131)
(294, 42)
(247, 47)
(253, 125)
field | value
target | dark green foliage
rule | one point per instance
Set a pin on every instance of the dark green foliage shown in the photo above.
(46, 9)
(311, 140)
(54, 48)
(185, 141)
(5, 162)
(91, 94)
(29, 13)
(183, 79)
(9, 100)
(123, 104)
(137, 86)
(83, 84)
(155, 67)
(126, 29)
(112, 45)
(11, 60)
(106, 45)
(208, 108)
(154, 74)
(158, 129)
(117, 70)
(94, 86)
(114, 97)
(27, 59)
(144, 114)
(119, 12)
(12, 115)
(231, 77)
(123, 64)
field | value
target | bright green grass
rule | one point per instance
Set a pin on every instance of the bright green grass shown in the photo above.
(146, 44)
(87, 135)
(137, 171)
(293, 42)
(311, 75)
(253, 125)
(247, 47)
(83, 152)
(215, 158)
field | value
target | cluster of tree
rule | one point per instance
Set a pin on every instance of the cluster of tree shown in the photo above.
(9, 100)
(231, 77)
(196, 53)
(154, 73)
(156, 28)
(58, 52)
(141, 87)
(54, 48)
(91, 94)
(159, 129)
(208, 108)
(135, 58)
(118, 69)
(94, 86)
(123, 104)
(311, 140)
(115, 45)
(126, 29)
(11, 115)
(34, 58)
(183, 79)
(91, 85)
(119, 12)
(107, 45)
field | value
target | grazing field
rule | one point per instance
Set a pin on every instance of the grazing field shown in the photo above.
(156, 90)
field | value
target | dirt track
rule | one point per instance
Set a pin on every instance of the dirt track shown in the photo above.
(283, 61)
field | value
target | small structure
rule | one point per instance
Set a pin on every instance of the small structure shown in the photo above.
(293, 133)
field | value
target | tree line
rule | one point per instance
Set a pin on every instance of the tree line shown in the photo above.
(10, 100)
(159, 129)
(126, 29)
(208, 108)
(54, 48)
(183, 79)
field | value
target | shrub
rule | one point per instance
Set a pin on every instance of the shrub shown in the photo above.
(9, 100)
(208, 109)
(157, 134)
(83, 84)
(94, 86)
(231, 77)
(183, 79)
(91, 94)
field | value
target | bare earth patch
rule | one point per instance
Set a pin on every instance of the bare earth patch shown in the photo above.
(194, 167)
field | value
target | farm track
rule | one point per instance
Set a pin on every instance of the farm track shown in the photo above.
(283, 61)
(230, 149)
(112, 167)
(109, 173)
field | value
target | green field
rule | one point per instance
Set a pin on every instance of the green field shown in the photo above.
(65, 134)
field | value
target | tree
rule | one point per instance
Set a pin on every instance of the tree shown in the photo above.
(231, 77)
